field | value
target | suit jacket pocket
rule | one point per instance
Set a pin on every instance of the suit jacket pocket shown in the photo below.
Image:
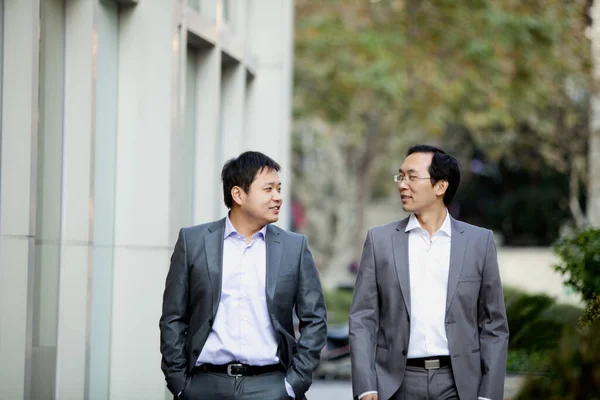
(186, 389)
(381, 354)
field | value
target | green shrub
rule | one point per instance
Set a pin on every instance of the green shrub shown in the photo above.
(535, 321)
(573, 372)
(580, 261)
(338, 303)
(591, 314)
(520, 361)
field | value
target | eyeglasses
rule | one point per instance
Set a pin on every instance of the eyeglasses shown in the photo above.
(408, 178)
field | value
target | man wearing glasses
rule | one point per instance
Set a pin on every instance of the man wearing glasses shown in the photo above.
(428, 319)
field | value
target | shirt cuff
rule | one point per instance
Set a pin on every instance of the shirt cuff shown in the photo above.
(289, 389)
(366, 393)
(483, 398)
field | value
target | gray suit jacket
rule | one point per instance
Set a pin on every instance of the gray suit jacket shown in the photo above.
(193, 291)
(476, 324)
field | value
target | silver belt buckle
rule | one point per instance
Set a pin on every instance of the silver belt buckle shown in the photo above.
(230, 366)
(432, 364)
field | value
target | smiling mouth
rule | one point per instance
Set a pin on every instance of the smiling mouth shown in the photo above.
(404, 197)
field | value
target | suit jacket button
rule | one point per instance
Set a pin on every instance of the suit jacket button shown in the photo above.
(210, 322)
(195, 353)
(404, 352)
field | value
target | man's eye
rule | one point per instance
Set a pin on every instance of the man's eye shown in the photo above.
(268, 189)
(412, 178)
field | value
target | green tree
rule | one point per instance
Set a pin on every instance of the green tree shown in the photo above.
(580, 261)
(573, 372)
(591, 314)
(511, 74)
(594, 126)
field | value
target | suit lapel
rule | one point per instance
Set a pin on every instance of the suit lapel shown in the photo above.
(274, 251)
(400, 247)
(458, 247)
(213, 246)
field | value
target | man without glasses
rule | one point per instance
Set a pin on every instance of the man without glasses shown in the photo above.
(226, 327)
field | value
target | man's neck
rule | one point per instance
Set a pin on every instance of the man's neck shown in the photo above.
(242, 226)
(432, 220)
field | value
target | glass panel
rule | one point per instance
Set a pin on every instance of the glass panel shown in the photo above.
(226, 11)
(1, 69)
(186, 167)
(107, 23)
(49, 188)
(231, 124)
(195, 4)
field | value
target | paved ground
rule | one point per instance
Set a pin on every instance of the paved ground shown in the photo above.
(342, 390)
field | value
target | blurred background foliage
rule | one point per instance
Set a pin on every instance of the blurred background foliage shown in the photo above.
(580, 261)
(504, 85)
(592, 313)
(536, 324)
(536, 321)
(507, 87)
(572, 371)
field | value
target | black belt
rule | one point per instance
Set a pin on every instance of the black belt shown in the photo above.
(239, 369)
(429, 362)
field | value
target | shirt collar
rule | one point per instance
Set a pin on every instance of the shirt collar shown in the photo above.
(413, 223)
(230, 229)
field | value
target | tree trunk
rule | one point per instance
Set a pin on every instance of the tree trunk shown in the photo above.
(574, 179)
(593, 201)
(364, 179)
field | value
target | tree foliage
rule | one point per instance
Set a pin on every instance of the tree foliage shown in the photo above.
(489, 66)
(536, 321)
(573, 371)
(580, 261)
(592, 313)
(511, 76)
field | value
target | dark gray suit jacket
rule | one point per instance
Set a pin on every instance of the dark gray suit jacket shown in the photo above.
(193, 291)
(476, 324)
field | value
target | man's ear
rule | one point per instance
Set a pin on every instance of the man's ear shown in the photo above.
(441, 187)
(236, 194)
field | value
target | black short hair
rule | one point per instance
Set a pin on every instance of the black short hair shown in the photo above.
(242, 170)
(443, 167)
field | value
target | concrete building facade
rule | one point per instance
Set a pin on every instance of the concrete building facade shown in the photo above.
(116, 117)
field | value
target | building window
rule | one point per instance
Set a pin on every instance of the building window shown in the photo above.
(226, 11)
(49, 197)
(195, 4)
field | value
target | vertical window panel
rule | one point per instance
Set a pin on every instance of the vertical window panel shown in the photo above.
(107, 61)
(49, 197)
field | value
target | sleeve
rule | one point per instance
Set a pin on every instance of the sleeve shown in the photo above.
(493, 327)
(364, 323)
(312, 314)
(174, 319)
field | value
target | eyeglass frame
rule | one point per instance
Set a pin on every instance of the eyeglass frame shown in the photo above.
(398, 178)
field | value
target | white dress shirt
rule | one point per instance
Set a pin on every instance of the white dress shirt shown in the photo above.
(242, 330)
(429, 267)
